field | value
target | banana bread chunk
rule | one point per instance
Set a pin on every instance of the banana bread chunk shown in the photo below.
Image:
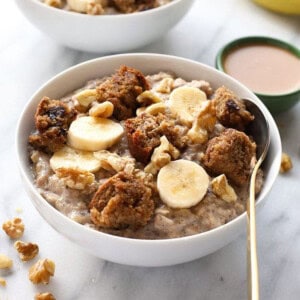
(121, 89)
(130, 6)
(144, 132)
(52, 121)
(122, 201)
(231, 112)
(231, 154)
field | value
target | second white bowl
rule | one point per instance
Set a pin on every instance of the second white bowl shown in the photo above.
(104, 33)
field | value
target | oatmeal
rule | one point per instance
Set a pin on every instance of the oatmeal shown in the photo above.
(148, 157)
(105, 7)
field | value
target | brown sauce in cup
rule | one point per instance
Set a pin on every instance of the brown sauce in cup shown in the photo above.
(265, 69)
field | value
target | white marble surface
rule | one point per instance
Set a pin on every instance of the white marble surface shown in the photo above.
(28, 59)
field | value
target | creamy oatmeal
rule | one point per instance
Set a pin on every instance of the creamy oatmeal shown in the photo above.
(146, 157)
(105, 7)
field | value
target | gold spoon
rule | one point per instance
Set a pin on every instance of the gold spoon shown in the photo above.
(259, 130)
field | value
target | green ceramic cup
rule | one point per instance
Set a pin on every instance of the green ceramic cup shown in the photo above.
(275, 103)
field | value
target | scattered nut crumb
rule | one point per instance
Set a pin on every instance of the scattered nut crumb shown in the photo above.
(5, 262)
(44, 296)
(286, 163)
(27, 251)
(2, 281)
(19, 210)
(14, 228)
(41, 271)
(165, 85)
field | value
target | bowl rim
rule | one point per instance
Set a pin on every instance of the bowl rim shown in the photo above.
(121, 15)
(261, 40)
(88, 230)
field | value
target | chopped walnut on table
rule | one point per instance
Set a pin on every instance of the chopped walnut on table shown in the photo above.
(2, 281)
(27, 251)
(14, 228)
(221, 188)
(5, 262)
(41, 271)
(44, 296)
(286, 163)
(161, 156)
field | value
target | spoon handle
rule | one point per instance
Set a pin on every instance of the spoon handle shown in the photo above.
(252, 264)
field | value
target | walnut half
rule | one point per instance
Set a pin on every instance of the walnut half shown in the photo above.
(2, 281)
(44, 296)
(5, 262)
(286, 163)
(161, 156)
(41, 271)
(14, 228)
(221, 188)
(27, 251)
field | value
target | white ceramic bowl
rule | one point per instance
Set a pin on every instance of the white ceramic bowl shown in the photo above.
(104, 33)
(133, 251)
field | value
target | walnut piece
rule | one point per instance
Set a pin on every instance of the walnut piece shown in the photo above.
(112, 161)
(221, 188)
(102, 110)
(203, 124)
(156, 108)
(41, 271)
(14, 228)
(140, 110)
(86, 97)
(27, 251)
(75, 178)
(161, 156)
(286, 163)
(147, 97)
(94, 8)
(44, 296)
(165, 86)
(2, 281)
(5, 262)
(54, 3)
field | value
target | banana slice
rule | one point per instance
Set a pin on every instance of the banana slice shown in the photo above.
(69, 158)
(93, 134)
(185, 103)
(182, 183)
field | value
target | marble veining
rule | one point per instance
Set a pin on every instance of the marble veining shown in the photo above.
(28, 59)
